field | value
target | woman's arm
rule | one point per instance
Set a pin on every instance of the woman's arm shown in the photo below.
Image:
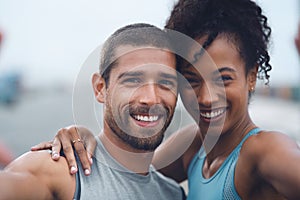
(174, 155)
(276, 160)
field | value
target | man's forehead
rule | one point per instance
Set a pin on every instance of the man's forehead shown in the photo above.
(135, 56)
(145, 60)
(131, 49)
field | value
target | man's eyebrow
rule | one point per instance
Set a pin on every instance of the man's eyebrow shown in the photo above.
(168, 76)
(130, 73)
(229, 69)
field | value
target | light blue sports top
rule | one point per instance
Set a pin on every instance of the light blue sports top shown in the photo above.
(221, 184)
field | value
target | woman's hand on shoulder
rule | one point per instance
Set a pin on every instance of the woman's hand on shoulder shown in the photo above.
(66, 140)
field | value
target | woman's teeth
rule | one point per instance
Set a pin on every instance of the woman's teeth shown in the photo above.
(212, 114)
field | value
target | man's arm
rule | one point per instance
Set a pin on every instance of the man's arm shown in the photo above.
(5, 156)
(35, 176)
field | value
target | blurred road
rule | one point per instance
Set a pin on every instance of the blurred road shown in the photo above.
(39, 114)
(35, 117)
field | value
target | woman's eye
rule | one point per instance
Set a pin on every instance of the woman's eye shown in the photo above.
(224, 78)
(194, 82)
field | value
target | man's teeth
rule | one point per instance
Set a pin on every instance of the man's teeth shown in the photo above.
(212, 114)
(146, 118)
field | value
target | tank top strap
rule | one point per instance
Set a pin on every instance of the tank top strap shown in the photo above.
(251, 132)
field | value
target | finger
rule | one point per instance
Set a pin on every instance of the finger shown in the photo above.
(65, 141)
(41, 146)
(90, 147)
(80, 150)
(83, 157)
(56, 147)
(90, 157)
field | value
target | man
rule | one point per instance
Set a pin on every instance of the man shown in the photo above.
(137, 84)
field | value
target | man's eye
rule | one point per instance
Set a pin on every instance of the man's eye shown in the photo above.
(131, 80)
(167, 83)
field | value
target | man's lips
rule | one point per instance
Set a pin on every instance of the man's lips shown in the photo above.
(146, 116)
(146, 120)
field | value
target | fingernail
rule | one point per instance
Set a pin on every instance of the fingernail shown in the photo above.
(91, 160)
(73, 170)
(87, 172)
(55, 155)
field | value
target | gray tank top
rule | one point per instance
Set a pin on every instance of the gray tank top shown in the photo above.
(111, 181)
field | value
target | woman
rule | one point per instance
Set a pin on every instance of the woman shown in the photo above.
(244, 161)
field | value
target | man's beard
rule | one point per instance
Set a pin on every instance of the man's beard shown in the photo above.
(120, 127)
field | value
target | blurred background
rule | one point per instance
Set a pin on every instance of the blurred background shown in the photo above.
(46, 43)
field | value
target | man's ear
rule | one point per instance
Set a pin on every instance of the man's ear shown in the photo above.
(252, 77)
(99, 87)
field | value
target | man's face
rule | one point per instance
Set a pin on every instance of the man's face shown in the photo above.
(141, 96)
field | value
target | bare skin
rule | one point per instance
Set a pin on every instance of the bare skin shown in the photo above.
(5, 156)
(36, 176)
(261, 171)
(268, 164)
(62, 141)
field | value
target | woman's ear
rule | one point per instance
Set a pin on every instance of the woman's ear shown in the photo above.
(99, 87)
(252, 77)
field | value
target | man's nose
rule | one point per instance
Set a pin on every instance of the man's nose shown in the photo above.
(149, 94)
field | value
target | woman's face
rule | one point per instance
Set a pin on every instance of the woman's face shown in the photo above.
(219, 81)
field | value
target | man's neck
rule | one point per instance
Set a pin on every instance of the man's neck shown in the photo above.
(135, 160)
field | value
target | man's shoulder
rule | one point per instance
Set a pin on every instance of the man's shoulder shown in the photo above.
(40, 164)
(30, 161)
(34, 161)
(36, 171)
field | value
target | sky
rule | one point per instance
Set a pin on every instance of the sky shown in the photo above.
(48, 41)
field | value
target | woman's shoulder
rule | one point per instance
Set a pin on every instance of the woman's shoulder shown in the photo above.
(267, 143)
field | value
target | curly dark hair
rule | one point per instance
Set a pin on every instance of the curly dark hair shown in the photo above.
(242, 19)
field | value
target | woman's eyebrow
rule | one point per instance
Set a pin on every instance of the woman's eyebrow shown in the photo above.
(229, 69)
